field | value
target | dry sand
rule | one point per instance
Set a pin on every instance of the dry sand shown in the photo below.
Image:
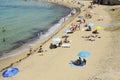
(54, 64)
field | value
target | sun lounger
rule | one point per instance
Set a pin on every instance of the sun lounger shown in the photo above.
(66, 45)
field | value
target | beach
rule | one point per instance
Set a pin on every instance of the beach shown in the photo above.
(54, 64)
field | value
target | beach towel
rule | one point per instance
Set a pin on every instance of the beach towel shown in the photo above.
(72, 64)
(66, 45)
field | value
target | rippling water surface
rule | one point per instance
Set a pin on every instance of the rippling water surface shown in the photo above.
(23, 20)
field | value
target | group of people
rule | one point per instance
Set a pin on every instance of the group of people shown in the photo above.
(88, 15)
(81, 20)
(53, 46)
(92, 36)
(74, 27)
(94, 33)
(87, 28)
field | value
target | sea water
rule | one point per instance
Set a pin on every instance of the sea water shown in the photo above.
(23, 20)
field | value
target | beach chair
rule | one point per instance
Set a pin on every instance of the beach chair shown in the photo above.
(65, 45)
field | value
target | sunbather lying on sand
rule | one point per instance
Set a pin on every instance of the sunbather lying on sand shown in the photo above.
(66, 41)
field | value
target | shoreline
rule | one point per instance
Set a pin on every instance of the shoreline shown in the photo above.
(30, 40)
(22, 55)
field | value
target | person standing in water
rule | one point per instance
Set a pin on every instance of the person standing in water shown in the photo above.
(4, 30)
(4, 40)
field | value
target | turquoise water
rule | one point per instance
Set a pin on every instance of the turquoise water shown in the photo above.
(23, 20)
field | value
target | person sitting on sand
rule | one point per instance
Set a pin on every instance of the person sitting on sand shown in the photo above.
(84, 20)
(78, 26)
(40, 49)
(95, 32)
(87, 28)
(78, 61)
(60, 43)
(52, 46)
(66, 41)
(84, 61)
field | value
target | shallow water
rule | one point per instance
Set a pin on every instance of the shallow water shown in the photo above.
(24, 20)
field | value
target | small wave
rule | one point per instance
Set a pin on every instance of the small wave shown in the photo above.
(55, 27)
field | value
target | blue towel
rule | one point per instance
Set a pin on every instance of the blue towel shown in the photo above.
(72, 64)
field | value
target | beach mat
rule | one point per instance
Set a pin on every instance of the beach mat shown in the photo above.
(72, 64)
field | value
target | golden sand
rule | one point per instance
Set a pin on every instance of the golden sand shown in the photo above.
(54, 64)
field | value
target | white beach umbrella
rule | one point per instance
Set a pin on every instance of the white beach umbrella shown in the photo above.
(56, 39)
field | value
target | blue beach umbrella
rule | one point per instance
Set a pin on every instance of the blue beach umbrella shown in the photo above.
(56, 39)
(65, 36)
(83, 54)
(10, 72)
(68, 31)
(80, 16)
(90, 24)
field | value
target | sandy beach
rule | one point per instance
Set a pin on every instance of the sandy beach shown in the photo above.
(54, 64)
